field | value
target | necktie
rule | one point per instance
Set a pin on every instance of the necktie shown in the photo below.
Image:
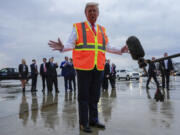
(93, 29)
(112, 71)
(36, 68)
(44, 68)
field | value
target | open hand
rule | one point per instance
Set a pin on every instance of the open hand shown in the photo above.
(56, 45)
(125, 49)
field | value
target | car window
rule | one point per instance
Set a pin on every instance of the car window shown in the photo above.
(15, 70)
(11, 70)
(3, 71)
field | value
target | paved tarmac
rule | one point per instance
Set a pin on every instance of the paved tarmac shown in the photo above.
(128, 110)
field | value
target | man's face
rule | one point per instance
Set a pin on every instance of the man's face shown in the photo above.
(165, 54)
(44, 60)
(66, 58)
(92, 13)
(51, 60)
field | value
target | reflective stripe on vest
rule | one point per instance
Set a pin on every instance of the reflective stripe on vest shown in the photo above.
(104, 42)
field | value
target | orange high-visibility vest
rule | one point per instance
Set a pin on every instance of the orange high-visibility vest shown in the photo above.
(90, 49)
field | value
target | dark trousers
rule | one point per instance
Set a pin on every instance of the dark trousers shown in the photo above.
(112, 81)
(34, 82)
(89, 84)
(53, 80)
(155, 79)
(105, 83)
(165, 76)
(72, 79)
(67, 83)
(44, 81)
(49, 83)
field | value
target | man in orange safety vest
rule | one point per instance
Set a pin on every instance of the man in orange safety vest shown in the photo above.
(89, 43)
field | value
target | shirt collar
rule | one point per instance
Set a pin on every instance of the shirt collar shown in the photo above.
(91, 25)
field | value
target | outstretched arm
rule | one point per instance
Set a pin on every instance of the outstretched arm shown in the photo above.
(124, 49)
(58, 46)
(69, 45)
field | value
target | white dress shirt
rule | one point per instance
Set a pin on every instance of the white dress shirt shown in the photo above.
(166, 64)
(73, 37)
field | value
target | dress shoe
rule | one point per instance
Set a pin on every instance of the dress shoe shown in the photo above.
(86, 129)
(57, 91)
(49, 90)
(23, 90)
(98, 125)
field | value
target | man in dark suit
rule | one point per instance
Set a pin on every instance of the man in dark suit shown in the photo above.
(43, 73)
(34, 74)
(166, 67)
(113, 76)
(72, 75)
(65, 73)
(52, 75)
(106, 75)
(152, 73)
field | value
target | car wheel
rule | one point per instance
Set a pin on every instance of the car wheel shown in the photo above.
(127, 78)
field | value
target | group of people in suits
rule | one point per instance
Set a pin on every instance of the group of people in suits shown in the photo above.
(165, 67)
(47, 71)
(69, 74)
(109, 75)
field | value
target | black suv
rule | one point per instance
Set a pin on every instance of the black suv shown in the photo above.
(10, 74)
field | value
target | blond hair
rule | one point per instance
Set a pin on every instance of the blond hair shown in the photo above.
(23, 61)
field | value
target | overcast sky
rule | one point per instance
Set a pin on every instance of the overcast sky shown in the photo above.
(27, 25)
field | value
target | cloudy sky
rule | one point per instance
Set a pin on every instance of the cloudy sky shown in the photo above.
(27, 25)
